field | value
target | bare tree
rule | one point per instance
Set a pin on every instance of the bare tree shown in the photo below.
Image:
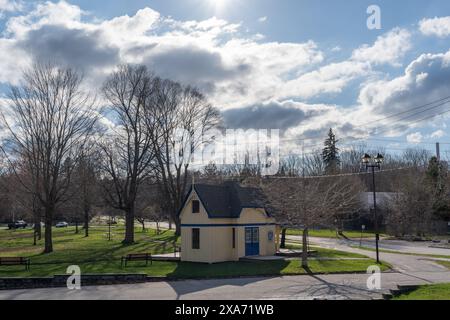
(292, 166)
(182, 116)
(411, 208)
(85, 188)
(309, 202)
(49, 121)
(88, 176)
(151, 205)
(313, 164)
(416, 157)
(21, 198)
(128, 153)
(421, 204)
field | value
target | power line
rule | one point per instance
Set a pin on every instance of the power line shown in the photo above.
(439, 102)
(339, 175)
(400, 141)
(420, 120)
(410, 110)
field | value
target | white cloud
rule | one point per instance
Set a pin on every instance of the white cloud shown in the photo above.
(262, 19)
(46, 13)
(425, 80)
(336, 49)
(126, 28)
(387, 49)
(439, 27)
(331, 78)
(236, 69)
(233, 67)
(415, 138)
(10, 5)
(437, 134)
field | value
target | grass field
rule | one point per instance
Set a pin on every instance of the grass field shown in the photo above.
(327, 233)
(97, 255)
(428, 292)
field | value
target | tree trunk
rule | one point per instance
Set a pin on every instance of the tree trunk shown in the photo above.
(76, 227)
(129, 226)
(37, 228)
(48, 248)
(143, 225)
(283, 238)
(86, 223)
(177, 226)
(305, 248)
(170, 224)
(157, 228)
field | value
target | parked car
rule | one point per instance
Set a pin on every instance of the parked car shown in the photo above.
(62, 225)
(17, 225)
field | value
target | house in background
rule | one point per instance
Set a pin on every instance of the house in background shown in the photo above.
(225, 223)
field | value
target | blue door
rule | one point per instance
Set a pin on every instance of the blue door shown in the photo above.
(251, 242)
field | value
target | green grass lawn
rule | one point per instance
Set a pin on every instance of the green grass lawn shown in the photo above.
(75, 248)
(185, 270)
(327, 233)
(97, 255)
(428, 292)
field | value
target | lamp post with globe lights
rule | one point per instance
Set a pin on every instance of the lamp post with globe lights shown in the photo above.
(374, 163)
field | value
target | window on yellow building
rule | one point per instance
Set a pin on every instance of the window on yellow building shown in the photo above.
(195, 206)
(234, 238)
(196, 238)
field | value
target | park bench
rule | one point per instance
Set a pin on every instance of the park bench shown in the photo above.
(15, 261)
(137, 257)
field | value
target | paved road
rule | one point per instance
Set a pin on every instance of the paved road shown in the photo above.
(403, 246)
(330, 287)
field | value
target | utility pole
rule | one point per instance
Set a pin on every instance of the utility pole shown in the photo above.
(438, 151)
(377, 232)
(438, 156)
(373, 164)
(303, 159)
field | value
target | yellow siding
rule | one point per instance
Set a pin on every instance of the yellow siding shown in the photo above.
(216, 242)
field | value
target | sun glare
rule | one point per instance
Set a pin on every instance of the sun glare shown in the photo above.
(219, 5)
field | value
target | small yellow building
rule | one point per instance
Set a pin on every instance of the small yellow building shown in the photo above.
(225, 223)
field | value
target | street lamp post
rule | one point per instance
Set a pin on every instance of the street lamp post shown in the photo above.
(374, 164)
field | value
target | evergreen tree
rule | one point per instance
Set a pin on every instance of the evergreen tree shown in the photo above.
(330, 154)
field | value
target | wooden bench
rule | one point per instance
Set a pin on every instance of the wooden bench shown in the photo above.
(15, 261)
(137, 257)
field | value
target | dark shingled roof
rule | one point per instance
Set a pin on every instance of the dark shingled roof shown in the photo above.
(228, 200)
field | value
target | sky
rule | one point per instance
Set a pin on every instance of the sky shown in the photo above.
(301, 66)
